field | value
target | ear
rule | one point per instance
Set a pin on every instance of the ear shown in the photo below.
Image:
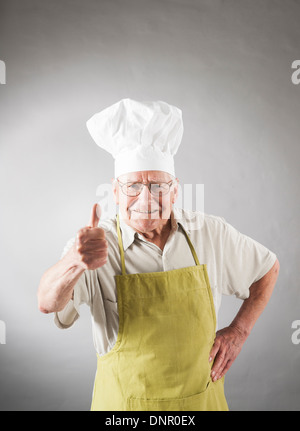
(116, 190)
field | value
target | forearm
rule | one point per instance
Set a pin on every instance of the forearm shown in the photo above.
(229, 340)
(57, 284)
(252, 307)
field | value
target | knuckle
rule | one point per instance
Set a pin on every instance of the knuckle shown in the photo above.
(103, 244)
(81, 234)
(217, 342)
(103, 254)
(83, 257)
(222, 356)
(78, 237)
(79, 249)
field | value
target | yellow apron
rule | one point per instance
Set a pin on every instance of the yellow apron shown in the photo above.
(167, 327)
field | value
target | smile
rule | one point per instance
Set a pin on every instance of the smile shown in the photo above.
(145, 212)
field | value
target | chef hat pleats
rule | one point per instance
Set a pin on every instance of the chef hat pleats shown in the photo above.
(141, 136)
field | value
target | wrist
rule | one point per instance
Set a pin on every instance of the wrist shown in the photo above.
(74, 261)
(242, 330)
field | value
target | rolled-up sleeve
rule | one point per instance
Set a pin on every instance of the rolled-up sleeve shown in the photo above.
(245, 261)
(71, 312)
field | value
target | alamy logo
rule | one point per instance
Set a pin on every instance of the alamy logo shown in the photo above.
(296, 334)
(296, 75)
(2, 332)
(2, 72)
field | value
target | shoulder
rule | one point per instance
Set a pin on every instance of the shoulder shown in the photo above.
(197, 220)
(109, 225)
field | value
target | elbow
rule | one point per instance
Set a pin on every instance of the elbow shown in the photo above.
(274, 272)
(42, 304)
(43, 307)
(42, 299)
(276, 267)
(47, 307)
(43, 310)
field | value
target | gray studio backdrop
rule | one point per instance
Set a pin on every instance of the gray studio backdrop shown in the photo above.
(227, 65)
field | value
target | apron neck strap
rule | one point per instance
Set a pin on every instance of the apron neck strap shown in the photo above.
(121, 246)
(122, 249)
(191, 247)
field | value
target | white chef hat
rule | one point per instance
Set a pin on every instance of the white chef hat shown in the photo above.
(141, 136)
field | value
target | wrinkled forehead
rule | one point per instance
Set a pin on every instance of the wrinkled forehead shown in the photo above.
(146, 176)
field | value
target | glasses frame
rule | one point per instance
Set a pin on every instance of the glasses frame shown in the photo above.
(170, 183)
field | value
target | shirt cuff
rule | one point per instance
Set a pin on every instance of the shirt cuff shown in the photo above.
(271, 259)
(66, 317)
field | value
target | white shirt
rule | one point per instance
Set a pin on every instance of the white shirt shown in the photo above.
(234, 262)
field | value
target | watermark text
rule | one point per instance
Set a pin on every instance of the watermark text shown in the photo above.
(2, 72)
(188, 196)
(296, 334)
(2, 332)
(296, 75)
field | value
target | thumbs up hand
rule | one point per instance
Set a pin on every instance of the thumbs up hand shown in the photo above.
(91, 246)
(95, 216)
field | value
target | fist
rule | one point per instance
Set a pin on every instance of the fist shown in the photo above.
(91, 246)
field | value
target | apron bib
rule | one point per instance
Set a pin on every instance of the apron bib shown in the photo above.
(167, 327)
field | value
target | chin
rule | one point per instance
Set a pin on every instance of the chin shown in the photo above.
(144, 223)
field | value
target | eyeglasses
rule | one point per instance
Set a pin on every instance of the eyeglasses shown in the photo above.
(156, 189)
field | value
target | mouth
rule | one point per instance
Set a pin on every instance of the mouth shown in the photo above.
(145, 212)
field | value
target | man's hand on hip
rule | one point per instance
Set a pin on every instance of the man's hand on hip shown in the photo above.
(228, 344)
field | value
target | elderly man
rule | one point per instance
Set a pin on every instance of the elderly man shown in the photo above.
(153, 276)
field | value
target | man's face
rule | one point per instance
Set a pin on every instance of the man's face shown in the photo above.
(146, 211)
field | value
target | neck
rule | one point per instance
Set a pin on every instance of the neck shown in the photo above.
(158, 236)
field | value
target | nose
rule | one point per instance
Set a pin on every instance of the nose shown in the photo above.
(145, 195)
(145, 191)
(146, 201)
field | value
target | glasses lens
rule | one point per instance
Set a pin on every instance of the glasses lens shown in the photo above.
(159, 189)
(156, 189)
(132, 189)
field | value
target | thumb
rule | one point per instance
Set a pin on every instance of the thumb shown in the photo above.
(95, 216)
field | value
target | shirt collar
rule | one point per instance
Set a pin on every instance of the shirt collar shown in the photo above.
(129, 234)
